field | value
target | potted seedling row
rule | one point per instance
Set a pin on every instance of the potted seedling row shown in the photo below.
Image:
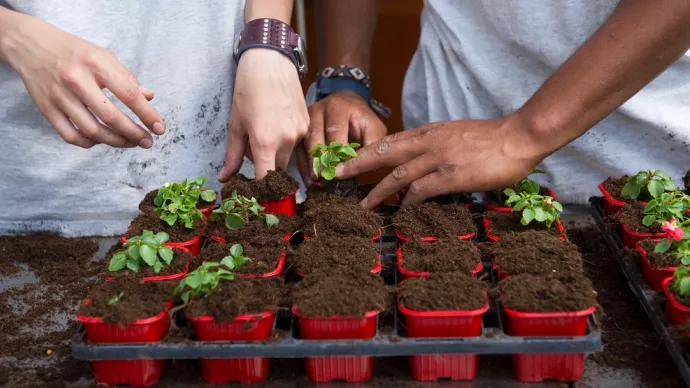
(529, 212)
(430, 221)
(542, 306)
(149, 256)
(677, 290)
(419, 258)
(647, 222)
(443, 305)
(497, 200)
(661, 257)
(276, 192)
(643, 187)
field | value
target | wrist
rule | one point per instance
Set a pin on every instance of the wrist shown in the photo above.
(263, 58)
(271, 9)
(525, 141)
(9, 24)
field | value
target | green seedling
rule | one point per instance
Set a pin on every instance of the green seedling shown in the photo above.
(681, 281)
(647, 185)
(667, 206)
(534, 207)
(327, 158)
(115, 299)
(235, 259)
(147, 248)
(525, 185)
(201, 282)
(679, 249)
(239, 210)
(177, 202)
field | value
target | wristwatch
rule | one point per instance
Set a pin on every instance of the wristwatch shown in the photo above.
(275, 35)
(337, 78)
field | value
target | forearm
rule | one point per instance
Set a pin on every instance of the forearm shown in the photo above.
(272, 9)
(9, 21)
(345, 31)
(636, 44)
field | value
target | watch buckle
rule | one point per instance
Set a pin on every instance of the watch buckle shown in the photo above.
(300, 55)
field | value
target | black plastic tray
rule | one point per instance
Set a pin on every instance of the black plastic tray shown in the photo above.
(644, 293)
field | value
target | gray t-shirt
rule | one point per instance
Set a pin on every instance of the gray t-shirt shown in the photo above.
(484, 59)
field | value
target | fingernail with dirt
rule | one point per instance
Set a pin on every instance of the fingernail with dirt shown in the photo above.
(146, 143)
(158, 128)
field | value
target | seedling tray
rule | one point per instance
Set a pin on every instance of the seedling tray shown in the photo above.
(649, 298)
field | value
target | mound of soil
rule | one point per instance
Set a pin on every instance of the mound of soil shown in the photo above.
(535, 252)
(140, 299)
(152, 221)
(177, 265)
(343, 188)
(492, 198)
(264, 258)
(339, 216)
(347, 293)
(255, 232)
(277, 184)
(332, 254)
(614, 187)
(660, 260)
(503, 223)
(238, 297)
(444, 255)
(443, 291)
(632, 214)
(548, 293)
(146, 204)
(432, 219)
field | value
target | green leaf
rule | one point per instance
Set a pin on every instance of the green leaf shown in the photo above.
(509, 193)
(685, 260)
(185, 297)
(648, 220)
(685, 286)
(349, 152)
(557, 206)
(158, 201)
(157, 266)
(148, 254)
(662, 174)
(328, 173)
(520, 205)
(228, 261)
(117, 262)
(512, 198)
(236, 250)
(655, 188)
(354, 145)
(201, 180)
(539, 214)
(326, 160)
(316, 166)
(234, 221)
(662, 246)
(166, 254)
(133, 265)
(133, 252)
(631, 190)
(161, 238)
(528, 215)
(531, 187)
(538, 171)
(194, 279)
(271, 220)
(208, 195)
(169, 218)
(669, 185)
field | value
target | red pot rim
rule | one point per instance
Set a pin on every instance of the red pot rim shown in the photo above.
(239, 318)
(610, 198)
(444, 313)
(569, 314)
(646, 261)
(406, 272)
(143, 321)
(221, 240)
(275, 272)
(485, 198)
(369, 314)
(638, 234)
(433, 238)
(494, 238)
(670, 298)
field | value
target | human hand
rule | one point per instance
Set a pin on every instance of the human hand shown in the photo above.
(268, 111)
(65, 76)
(342, 117)
(448, 157)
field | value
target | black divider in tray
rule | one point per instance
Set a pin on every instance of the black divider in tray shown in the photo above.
(651, 301)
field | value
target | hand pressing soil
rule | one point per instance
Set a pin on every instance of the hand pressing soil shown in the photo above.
(432, 219)
(146, 205)
(347, 293)
(502, 223)
(238, 297)
(263, 258)
(444, 255)
(339, 216)
(632, 214)
(547, 293)
(333, 254)
(274, 186)
(535, 252)
(443, 291)
(151, 221)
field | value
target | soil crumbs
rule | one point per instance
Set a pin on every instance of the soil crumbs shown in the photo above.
(614, 187)
(433, 219)
(503, 223)
(660, 260)
(339, 216)
(535, 252)
(274, 186)
(262, 258)
(444, 255)
(443, 291)
(548, 293)
(152, 221)
(632, 214)
(239, 297)
(332, 254)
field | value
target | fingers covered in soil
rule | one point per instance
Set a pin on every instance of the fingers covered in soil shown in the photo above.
(152, 221)
(535, 252)
(340, 216)
(632, 214)
(238, 297)
(547, 293)
(277, 184)
(333, 254)
(503, 223)
(445, 255)
(443, 292)
(433, 219)
(262, 258)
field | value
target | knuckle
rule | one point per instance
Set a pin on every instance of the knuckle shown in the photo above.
(70, 76)
(446, 169)
(89, 131)
(109, 116)
(415, 190)
(266, 143)
(129, 95)
(399, 172)
(382, 147)
(92, 57)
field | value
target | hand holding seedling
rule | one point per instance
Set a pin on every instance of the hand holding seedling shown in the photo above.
(177, 202)
(147, 248)
(239, 210)
(65, 76)
(534, 207)
(201, 282)
(325, 159)
(646, 185)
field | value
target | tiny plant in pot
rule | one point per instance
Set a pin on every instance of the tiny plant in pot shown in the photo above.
(327, 157)
(239, 210)
(681, 281)
(235, 259)
(116, 299)
(647, 185)
(147, 248)
(674, 243)
(668, 206)
(176, 202)
(201, 282)
(534, 207)
(525, 185)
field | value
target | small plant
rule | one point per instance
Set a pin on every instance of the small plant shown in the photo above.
(147, 248)
(648, 184)
(176, 202)
(239, 210)
(681, 281)
(674, 243)
(666, 207)
(235, 259)
(525, 185)
(540, 208)
(201, 282)
(115, 299)
(327, 158)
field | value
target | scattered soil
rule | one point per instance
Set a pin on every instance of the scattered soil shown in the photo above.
(503, 223)
(339, 216)
(492, 200)
(140, 299)
(444, 255)
(264, 258)
(255, 232)
(632, 214)
(347, 293)
(614, 187)
(153, 222)
(332, 254)
(274, 186)
(177, 265)
(146, 204)
(660, 260)
(535, 252)
(443, 291)
(238, 297)
(548, 293)
(432, 219)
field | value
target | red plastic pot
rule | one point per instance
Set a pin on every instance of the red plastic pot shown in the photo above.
(494, 238)
(531, 367)
(329, 368)
(192, 246)
(286, 205)
(412, 274)
(655, 275)
(404, 239)
(208, 211)
(130, 372)
(677, 312)
(501, 274)
(255, 327)
(631, 238)
(443, 324)
(485, 199)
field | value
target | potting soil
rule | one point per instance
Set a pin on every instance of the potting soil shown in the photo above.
(255, 231)
(277, 184)
(239, 297)
(535, 252)
(339, 216)
(433, 219)
(502, 223)
(632, 214)
(445, 255)
(152, 221)
(548, 293)
(263, 258)
(660, 260)
(443, 291)
(614, 187)
(332, 254)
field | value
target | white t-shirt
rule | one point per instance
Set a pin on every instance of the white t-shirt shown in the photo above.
(484, 59)
(181, 50)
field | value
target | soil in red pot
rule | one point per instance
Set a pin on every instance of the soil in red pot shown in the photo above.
(443, 291)
(152, 221)
(660, 260)
(632, 214)
(264, 258)
(535, 252)
(347, 293)
(614, 187)
(432, 219)
(684, 300)
(146, 205)
(140, 300)
(332, 254)
(344, 188)
(277, 184)
(177, 265)
(239, 297)
(444, 255)
(502, 223)
(548, 293)
(492, 200)
(339, 216)
(255, 232)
